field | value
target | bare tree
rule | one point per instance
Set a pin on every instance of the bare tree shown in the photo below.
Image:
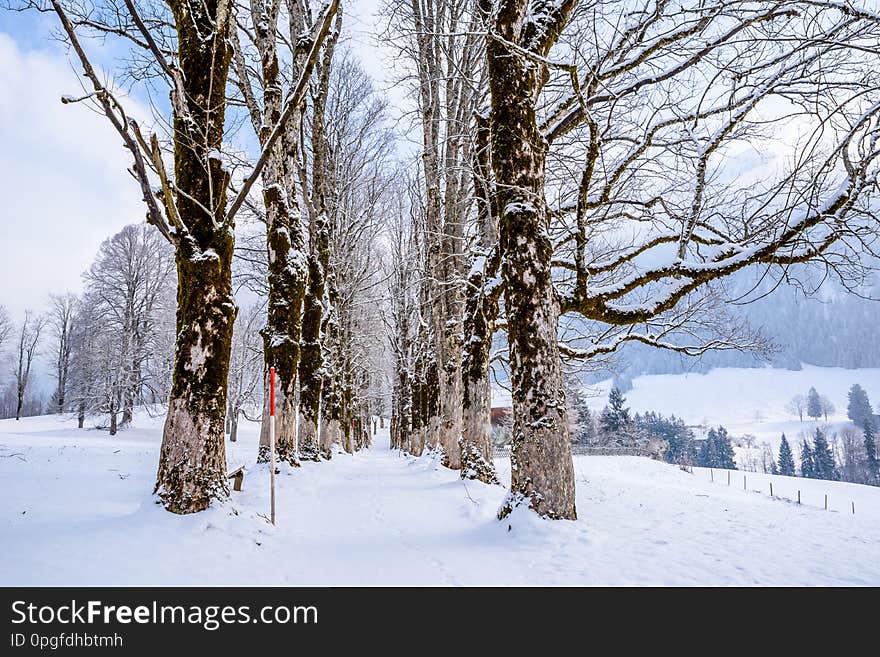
(519, 39)
(317, 160)
(122, 355)
(6, 326)
(60, 322)
(245, 369)
(187, 49)
(359, 180)
(644, 217)
(827, 406)
(258, 40)
(481, 313)
(797, 405)
(440, 41)
(27, 345)
(401, 273)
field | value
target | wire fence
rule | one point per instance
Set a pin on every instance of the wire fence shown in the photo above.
(581, 450)
(785, 491)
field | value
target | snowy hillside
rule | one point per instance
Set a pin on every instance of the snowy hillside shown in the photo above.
(744, 400)
(76, 509)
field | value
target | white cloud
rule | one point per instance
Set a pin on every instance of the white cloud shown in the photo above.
(63, 181)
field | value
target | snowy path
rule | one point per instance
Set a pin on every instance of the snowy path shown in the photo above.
(75, 509)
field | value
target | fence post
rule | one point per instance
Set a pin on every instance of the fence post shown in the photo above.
(771, 489)
(799, 496)
(744, 482)
(728, 477)
(826, 501)
(712, 475)
(854, 508)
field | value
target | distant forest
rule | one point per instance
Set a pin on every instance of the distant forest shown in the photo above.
(829, 328)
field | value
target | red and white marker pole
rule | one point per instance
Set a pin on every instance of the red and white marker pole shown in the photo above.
(272, 439)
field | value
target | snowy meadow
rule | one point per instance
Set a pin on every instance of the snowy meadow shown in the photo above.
(77, 510)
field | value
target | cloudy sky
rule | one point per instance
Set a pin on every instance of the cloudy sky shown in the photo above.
(63, 173)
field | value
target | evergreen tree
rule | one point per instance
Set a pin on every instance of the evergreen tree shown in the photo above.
(674, 431)
(858, 408)
(872, 465)
(615, 419)
(786, 459)
(726, 455)
(717, 451)
(814, 404)
(709, 451)
(807, 469)
(823, 458)
(584, 430)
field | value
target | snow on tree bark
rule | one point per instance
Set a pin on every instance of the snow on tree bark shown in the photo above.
(480, 312)
(192, 462)
(542, 470)
(311, 364)
(285, 244)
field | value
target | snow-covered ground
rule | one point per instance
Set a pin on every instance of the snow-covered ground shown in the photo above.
(76, 509)
(744, 400)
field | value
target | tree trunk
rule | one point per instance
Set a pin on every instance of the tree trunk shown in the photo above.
(192, 462)
(128, 407)
(233, 428)
(312, 361)
(481, 309)
(285, 246)
(310, 371)
(476, 439)
(113, 426)
(542, 471)
(287, 281)
(347, 417)
(61, 387)
(81, 415)
(192, 466)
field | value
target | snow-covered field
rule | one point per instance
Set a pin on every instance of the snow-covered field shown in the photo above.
(745, 400)
(76, 509)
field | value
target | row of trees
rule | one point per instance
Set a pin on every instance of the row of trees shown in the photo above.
(324, 171)
(572, 192)
(813, 404)
(850, 455)
(858, 407)
(598, 209)
(23, 343)
(109, 349)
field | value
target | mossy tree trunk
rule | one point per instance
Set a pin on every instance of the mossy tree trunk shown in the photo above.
(542, 471)
(481, 308)
(331, 389)
(192, 462)
(285, 243)
(311, 373)
(311, 364)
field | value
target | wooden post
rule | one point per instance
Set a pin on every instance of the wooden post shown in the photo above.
(854, 508)
(728, 477)
(712, 475)
(272, 441)
(744, 482)
(771, 489)
(826, 501)
(799, 497)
